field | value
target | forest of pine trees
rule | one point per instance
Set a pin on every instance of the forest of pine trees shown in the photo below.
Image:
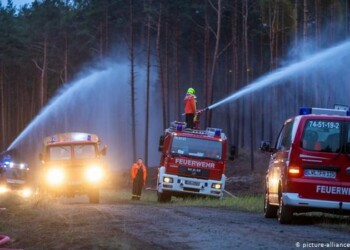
(214, 46)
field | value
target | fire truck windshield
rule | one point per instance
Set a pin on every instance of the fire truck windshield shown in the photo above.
(82, 151)
(196, 147)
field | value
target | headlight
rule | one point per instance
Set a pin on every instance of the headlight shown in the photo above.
(94, 174)
(3, 189)
(216, 185)
(168, 180)
(55, 176)
(26, 192)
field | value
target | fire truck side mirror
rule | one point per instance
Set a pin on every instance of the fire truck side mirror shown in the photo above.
(232, 153)
(265, 146)
(41, 157)
(104, 150)
(161, 143)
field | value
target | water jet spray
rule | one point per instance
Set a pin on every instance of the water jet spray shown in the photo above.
(278, 76)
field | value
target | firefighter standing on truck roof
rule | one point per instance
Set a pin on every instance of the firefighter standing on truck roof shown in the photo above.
(190, 107)
(138, 177)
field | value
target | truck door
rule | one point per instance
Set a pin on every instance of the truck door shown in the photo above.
(278, 160)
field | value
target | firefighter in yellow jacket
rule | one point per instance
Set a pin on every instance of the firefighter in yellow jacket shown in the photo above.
(138, 178)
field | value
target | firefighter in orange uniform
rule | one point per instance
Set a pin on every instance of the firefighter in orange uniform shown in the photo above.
(138, 177)
(190, 107)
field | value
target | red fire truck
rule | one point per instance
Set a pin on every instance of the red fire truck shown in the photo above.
(309, 169)
(193, 162)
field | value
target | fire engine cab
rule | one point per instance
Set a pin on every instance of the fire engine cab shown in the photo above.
(193, 162)
(72, 164)
(309, 168)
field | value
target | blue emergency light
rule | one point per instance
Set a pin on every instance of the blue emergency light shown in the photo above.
(305, 111)
(179, 127)
(217, 133)
(323, 111)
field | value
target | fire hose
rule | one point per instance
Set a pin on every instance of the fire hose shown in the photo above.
(197, 117)
(3, 238)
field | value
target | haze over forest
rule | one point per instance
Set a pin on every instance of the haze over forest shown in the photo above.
(214, 46)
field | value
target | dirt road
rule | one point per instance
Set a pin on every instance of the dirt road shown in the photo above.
(209, 228)
(145, 225)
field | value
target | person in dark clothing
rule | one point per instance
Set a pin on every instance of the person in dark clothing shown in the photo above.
(138, 178)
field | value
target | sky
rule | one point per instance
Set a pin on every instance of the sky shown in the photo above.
(17, 3)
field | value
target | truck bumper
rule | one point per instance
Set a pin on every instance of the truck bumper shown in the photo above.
(179, 185)
(293, 199)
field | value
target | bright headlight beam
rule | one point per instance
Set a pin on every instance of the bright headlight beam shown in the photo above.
(3, 189)
(26, 192)
(55, 176)
(94, 174)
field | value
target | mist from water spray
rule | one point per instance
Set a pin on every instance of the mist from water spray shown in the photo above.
(97, 103)
(326, 60)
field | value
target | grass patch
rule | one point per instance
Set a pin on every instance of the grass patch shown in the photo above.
(241, 203)
(253, 203)
(124, 195)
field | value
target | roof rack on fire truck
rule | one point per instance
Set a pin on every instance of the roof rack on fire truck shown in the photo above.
(340, 110)
(72, 137)
(177, 126)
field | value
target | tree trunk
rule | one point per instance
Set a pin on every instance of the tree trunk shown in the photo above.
(160, 68)
(246, 59)
(3, 108)
(43, 74)
(235, 75)
(177, 96)
(243, 75)
(166, 74)
(227, 89)
(148, 80)
(305, 22)
(215, 59)
(297, 87)
(317, 22)
(261, 72)
(132, 77)
(65, 66)
(346, 18)
(273, 14)
(206, 61)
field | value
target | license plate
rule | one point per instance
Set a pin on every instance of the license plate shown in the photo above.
(14, 181)
(193, 183)
(319, 173)
(74, 183)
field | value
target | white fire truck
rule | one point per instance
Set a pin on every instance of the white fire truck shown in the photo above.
(72, 164)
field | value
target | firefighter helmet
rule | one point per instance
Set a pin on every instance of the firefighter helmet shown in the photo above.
(191, 91)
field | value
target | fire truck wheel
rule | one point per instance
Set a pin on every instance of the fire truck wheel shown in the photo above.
(284, 213)
(94, 196)
(164, 197)
(270, 211)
